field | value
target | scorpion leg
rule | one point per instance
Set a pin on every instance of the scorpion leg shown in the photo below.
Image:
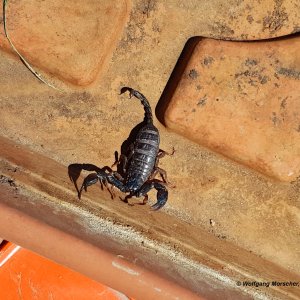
(162, 153)
(162, 173)
(162, 193)
(123, 159)
(126, 199)
(145, 200)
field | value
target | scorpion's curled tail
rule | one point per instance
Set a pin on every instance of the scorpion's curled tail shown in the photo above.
(142, 98)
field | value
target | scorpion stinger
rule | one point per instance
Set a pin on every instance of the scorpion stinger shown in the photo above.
(140, 165)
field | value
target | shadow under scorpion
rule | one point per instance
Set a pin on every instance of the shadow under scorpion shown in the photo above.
(137, 164)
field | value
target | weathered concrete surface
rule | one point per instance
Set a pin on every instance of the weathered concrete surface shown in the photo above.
(243, 101)
(74, 42)
(72, 230)
(212, 194)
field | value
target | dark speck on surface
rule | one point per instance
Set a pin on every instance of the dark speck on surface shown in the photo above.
(221, 236)
(283, 103)
(250, 62)
(208, 60)
(202, 101)
(275, 119)
(250, 19)
(193, 74)
(289, 73)
(264, 79)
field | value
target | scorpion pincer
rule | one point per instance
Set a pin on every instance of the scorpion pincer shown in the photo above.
(140, 165)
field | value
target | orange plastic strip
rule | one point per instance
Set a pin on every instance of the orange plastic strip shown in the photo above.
(26, 275)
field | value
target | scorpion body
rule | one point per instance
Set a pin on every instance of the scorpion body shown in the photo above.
(144, 150)
(143, 158)
(140, 165)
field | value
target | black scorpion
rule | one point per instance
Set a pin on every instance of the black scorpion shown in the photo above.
(140, 165)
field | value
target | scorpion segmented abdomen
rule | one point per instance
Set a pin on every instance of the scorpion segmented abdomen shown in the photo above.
(144, 157)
